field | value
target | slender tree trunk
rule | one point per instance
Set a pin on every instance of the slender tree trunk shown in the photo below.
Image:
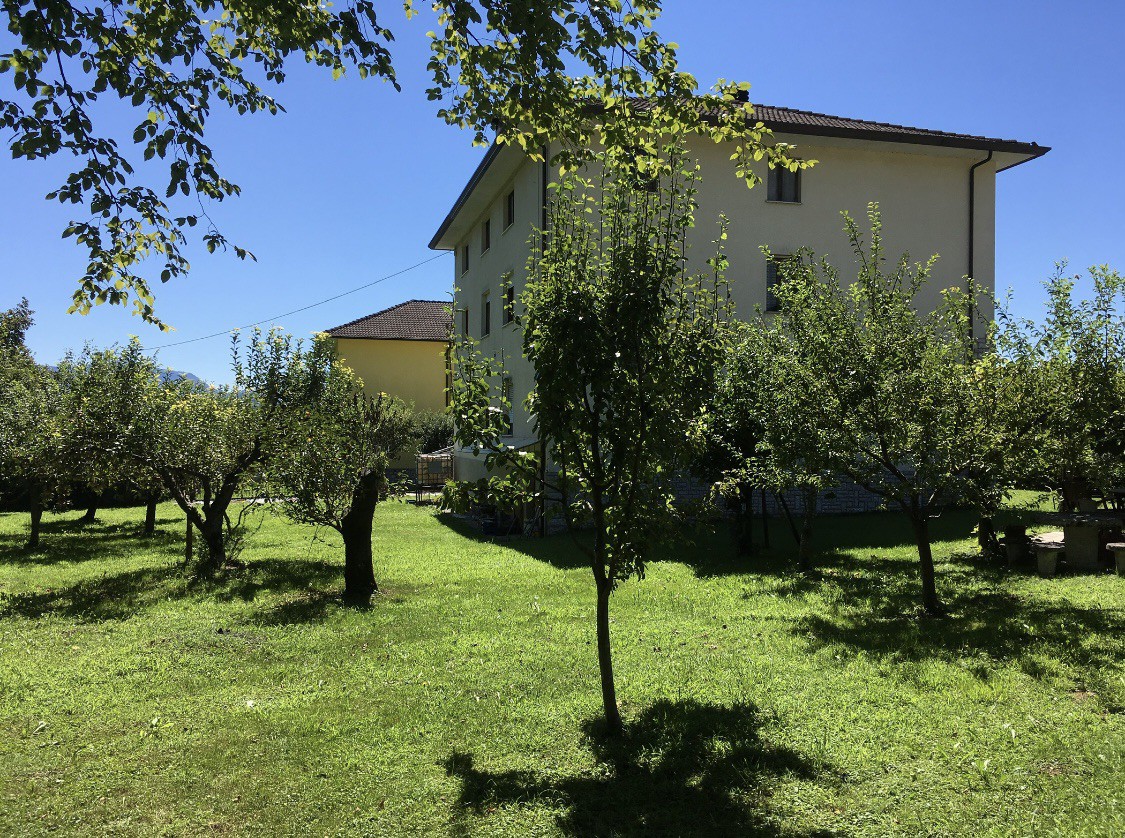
(605, 660)
(189, 541)
(765, 521)
(603, 579)
(921, 523)
(359, 570)
(36, 505)
(737, 525)
(746, 530)
(150, 515)
(804, 545)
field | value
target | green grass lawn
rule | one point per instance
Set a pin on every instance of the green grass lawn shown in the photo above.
(465, 701)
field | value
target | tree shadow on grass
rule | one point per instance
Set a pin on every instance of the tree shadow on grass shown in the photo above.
(64, 540)
(709, 549)
(123, 595)
(871, 604)
(680, 768)
(558, 549)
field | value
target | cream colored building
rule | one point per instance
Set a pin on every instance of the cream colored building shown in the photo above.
(937, 192)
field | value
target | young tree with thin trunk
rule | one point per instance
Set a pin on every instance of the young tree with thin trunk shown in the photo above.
(1062, 388)
(624, 343)
(761, 387)
(332, 469)
(103, 392)
(895, 393)
(30, 420)
(210, 441)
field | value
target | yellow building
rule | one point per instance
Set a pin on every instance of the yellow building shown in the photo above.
(401, 351)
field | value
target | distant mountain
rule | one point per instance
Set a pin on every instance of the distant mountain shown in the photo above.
(179, 375)
(166, 375)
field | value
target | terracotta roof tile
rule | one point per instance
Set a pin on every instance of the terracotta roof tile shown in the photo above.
(781, 119)
(412, 320)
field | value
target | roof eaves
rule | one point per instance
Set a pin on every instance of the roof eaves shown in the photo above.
(482, 167)
(910, 137)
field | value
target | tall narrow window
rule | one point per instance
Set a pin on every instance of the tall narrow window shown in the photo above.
(464, 258)
(486, 235)
(448, 374)
(510, 209)
(506, 394)
(774, 277)
(784, 186)
(509, 302)
(465, 321)
(485, 314)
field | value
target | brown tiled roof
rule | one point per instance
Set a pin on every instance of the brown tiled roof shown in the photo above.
(790, 120)
(412, 320)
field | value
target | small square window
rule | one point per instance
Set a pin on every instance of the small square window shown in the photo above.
(464, 258)
(509, 303)
(485, 314)
(486, 235)
(784, 186)
(774, 277)
(510, 209)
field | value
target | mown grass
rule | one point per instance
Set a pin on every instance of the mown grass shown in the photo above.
(135, 700)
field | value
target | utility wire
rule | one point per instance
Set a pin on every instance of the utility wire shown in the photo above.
(298, 310)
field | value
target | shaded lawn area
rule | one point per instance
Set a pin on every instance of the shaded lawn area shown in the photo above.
(464, 702)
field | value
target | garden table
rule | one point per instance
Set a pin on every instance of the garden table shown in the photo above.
(1082, 531)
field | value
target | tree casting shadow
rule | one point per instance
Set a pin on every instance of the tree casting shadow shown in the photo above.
(124, 595)
(680, 768)
(67, 540)
(872, 604)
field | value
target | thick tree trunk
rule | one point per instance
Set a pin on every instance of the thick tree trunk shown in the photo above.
(605, 660)
(91, 511)
(150, 515)
(921, 523)
(36, 503)
(212, 534)
(359, 570)
(987, 539)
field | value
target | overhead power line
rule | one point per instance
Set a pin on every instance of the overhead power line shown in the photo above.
(299, 310)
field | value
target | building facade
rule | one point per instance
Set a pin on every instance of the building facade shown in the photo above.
(402, 351)
(936, 190)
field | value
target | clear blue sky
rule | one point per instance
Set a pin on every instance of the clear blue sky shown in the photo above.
(350, 184)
